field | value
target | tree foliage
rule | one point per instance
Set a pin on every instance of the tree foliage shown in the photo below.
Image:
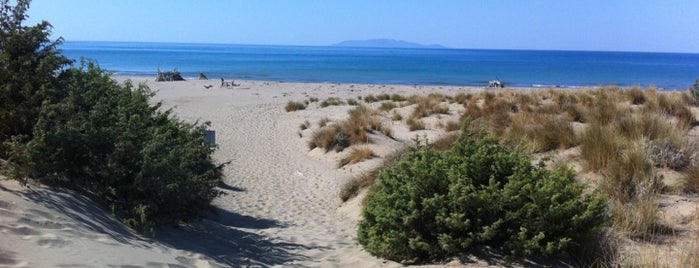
(30, 68)
(439, 204)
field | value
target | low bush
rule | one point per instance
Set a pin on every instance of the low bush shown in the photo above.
(433, 205)
(387, 106)
(146, 166)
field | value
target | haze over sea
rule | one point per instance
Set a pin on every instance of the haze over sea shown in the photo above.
(461, 67)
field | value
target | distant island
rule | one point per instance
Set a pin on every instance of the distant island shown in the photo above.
(384, 43)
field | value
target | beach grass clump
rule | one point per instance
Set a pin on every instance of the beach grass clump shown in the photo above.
(398, 97)
(294, 106)
(426, 106)
(305, 125)
(452, 125)
(387, 106)
(313, 99)
(551, 133)
(352, 101)
(329, 138)
(370, 98)
(357, 155)
(415, 124)
(636, 96)
(331, 101)
(383, 97)
(598, 146)
(462, 98)
(637, 219)
(362, 120)
(690, 179)
(396, 116)
(434, 205)
(323, 121)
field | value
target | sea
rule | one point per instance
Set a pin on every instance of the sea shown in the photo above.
(411, 66)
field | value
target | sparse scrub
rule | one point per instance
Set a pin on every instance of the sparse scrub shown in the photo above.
(383, 97)
(353, 102)
(631, 175)
(429, 106)
(305, 125)
(294, 106)
(356, 155)
(312, 99)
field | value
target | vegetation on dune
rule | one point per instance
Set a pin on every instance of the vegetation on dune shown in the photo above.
(433, 205)
(81, 130)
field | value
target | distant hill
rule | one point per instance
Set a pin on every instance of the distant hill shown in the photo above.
(384, 43)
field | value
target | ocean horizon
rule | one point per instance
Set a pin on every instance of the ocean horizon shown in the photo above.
(418, 66)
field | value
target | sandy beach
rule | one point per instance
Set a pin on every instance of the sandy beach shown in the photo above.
(281, 207)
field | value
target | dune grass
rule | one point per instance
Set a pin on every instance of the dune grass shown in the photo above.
(415, 124)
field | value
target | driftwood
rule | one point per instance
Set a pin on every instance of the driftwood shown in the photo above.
(169, 76)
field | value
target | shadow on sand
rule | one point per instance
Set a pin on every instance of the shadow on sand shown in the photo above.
(225, 237)
(220, 239)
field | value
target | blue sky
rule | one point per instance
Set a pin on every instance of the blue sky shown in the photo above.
(621, 25)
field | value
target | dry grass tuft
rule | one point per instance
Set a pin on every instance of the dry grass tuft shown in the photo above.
(598, 146)
(396, 116)
(636, 96)
(305, 125)
(332, 101)
(356, 155)
(387, 106)
(323, 122)
(415, 124)
(690, 181)
(294, 106)
(430, 105)
(398, 97)
(452, 126)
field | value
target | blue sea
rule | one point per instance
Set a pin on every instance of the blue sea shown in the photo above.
(460, 67)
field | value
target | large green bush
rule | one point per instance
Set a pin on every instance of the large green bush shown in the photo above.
(147, 166)
(433, 205)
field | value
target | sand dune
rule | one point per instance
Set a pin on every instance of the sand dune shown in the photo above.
(281, 208)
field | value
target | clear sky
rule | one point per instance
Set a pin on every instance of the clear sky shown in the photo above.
(613, 25)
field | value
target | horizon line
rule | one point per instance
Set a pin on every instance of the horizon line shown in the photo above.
(427, 48)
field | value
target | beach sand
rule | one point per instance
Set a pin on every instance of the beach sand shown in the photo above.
(281, 208)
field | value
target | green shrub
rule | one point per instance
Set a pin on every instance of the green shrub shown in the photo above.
(438, 204)
(146, 166)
